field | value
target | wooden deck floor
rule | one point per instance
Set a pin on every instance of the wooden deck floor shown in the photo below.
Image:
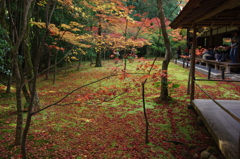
(224, 129)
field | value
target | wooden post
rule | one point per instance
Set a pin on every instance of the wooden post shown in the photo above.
(223, 76)
(188, 39)
(194, 45)
(209, 72)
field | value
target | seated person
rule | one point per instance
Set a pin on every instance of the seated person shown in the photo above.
(224, 53)
(217, 53)
(227, 52)
(208, 54)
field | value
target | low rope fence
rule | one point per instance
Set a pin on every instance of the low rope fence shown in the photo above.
(227, 111)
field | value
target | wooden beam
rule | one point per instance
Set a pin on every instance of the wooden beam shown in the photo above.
(221, 20)
(211, 25)
(188, 9)
(227, 5)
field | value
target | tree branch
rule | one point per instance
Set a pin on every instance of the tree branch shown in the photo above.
(71, 93)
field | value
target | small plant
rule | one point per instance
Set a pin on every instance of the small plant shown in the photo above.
(172, 86)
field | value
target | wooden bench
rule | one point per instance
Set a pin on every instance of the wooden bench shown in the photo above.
(218, 64)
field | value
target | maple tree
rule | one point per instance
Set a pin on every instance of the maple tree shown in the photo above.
(164, 86)
(117, 24)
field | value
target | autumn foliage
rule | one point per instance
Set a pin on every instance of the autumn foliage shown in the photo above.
(77, 112)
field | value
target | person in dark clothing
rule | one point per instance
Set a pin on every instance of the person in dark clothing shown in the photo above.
(210, 54)
(224, 53)
(234, 47)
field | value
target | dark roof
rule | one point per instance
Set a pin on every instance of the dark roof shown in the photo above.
(209, 13)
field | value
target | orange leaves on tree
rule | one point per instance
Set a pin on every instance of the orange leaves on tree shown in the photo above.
(176, 35)
(52, 32)
(55, 47)
(67, 35)
(145, 77)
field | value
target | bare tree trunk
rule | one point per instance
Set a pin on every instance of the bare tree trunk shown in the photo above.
(55, 68)
(18, 99)
(99, 53)
(145, 113)
(125, 51)
(99, 59)
(20, 32)
(34, 82)
(30, 74)
(25, 48)
(104, 54)
(79, 63)
(48, 66)
(164, 79)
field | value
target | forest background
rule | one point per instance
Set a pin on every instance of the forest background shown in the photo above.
(40, 36)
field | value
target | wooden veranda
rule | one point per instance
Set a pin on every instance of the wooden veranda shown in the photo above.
(221, 117)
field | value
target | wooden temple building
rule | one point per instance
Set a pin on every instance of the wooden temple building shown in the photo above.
(221, 117)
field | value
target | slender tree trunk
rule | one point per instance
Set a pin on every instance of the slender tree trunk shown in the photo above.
(79, 63)
(18, 134)
(145, 113)
(99, 53)
(15, 52)
(35, 33)
(55, 68)
(22, 29)
(2, 13)
(164, 79)
(29, 72)
(99, 59)
(48, 66)
(125, 67)
(33, 87)
(125, 50)
(104, 54)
